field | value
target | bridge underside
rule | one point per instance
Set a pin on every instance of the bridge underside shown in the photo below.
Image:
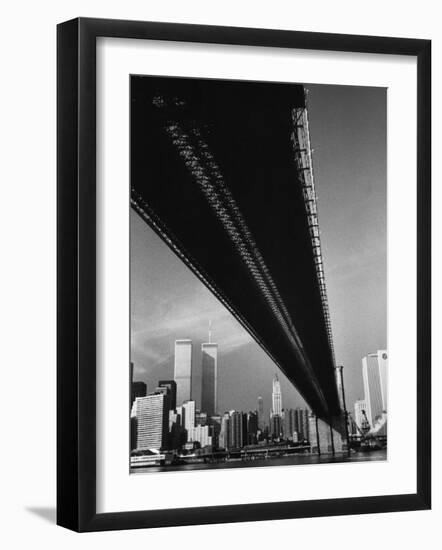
(213, 173)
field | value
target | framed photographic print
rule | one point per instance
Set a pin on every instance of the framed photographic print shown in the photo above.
(243, 274)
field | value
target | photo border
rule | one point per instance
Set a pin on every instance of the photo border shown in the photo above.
(76, 271)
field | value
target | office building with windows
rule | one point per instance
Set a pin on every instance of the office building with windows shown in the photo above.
(152, 421)
(209, 380)
(374, 375)
(188, 409)
(183, 370)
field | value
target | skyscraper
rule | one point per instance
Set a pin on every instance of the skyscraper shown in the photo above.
(224, 431)
(183, 370)
(276, 397)
(252, 427)
(302, 423)
(374, 374)
(139, 389)
(171, 384)
(188, 414)
(289, 424)
(237, 430)
(209, 399)
(276, 426)
(152, 415)
(260, 413)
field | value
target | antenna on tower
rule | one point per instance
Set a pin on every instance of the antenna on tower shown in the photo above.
(210, 332)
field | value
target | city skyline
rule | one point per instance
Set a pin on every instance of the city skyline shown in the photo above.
(232, 239)
(160, 423)
(235, 342)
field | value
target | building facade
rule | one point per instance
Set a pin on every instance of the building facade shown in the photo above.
(252, 427)
(171, 385)
(188, 413)
(374, 375)
(139, 389)
(237, 430)
(302, 423)
(183, 370)
(209, 381)
(200, 434)
(276, 397)
(261, 421)
(290, 425)
(152, 421)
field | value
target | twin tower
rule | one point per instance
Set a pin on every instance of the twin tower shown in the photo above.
(209, 381)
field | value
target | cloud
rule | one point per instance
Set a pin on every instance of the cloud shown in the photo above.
(154, 329)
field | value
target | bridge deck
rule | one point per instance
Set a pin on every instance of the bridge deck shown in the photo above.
(215, 172)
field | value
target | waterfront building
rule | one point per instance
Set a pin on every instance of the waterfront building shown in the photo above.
(276, 397)
(223, 440)
(276, 426)
(252, 427)
(152, 419)
(139, 389)
(177, 433)
(237, 430)
(183, 370)
(200, 434)
(374, 375)
(261, 414)
(215, 422)
(209, 380)
(166, 391)
(171, 385)
(188, 414)
(302, 423)
(289, 424)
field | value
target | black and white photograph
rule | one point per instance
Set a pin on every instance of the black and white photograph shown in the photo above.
(219, 237)
(258, 274)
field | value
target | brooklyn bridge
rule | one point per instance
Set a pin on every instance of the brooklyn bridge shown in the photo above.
(223, 172)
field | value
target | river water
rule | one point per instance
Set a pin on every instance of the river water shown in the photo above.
(279, 461)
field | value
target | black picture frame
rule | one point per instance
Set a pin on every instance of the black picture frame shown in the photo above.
(77, 287)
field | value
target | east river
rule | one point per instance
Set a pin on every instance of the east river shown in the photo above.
(291, 460)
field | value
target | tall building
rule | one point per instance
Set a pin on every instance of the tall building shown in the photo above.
(139, 389)
(215, 423)
(374, 375)
(302, 423)
(152, 414)
(188, 409)
(201, 434)
(237, 430)
(171, 385)
(290, 427)
(209, 389)
(183, 370)
(252, 427)
(276, 397)
(223, 441)
(359, 416)
(260, 413)
(177, 433)
(276, 427)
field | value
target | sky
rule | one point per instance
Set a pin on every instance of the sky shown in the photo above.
(348, 137)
